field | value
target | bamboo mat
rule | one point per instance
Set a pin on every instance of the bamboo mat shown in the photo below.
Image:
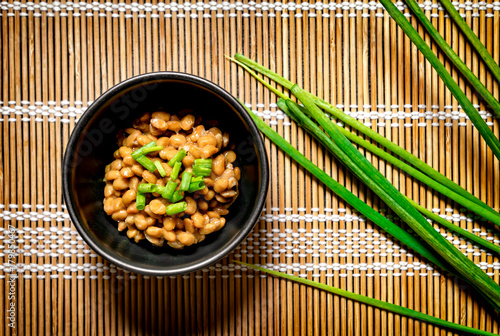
(57, 57)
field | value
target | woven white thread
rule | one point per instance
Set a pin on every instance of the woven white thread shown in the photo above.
(344, 270)
(305, 7)
(67, 113)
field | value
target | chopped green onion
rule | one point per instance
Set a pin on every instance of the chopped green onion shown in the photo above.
(146, 188)
(186, 180)
(140, 201)
(169, 189)
(201, 171)
(197, 179)
(159, 189)
(177, 196)
(150, 147)
(202, 163)
(175, 171)
(146, 163)
(373, 302)
(175, 208)
(195, 186)
(181, 153)
(154, 149)
(160, 168)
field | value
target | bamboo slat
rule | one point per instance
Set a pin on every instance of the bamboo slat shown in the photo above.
(57, 57)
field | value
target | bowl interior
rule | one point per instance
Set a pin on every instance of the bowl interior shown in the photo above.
(92, 145)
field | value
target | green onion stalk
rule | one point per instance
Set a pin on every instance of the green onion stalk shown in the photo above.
(381, 221)
(298, 114)
(485, 213)
(177, 196)
(195, 186)
(474, 40)
(488, 136)
(146, 188)
(473, 80)
(372, 302)
(390, 195)
(466, 104)
(169, 190)
(250, 65)
(464, 233)
(160, 169)
(140, 202)
(373, 179)
(337, 188)
(181, 153)
(146, 163)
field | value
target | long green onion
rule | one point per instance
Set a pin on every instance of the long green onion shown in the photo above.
(457, 92)
(251, 65)
(175, 171)
(403, 236)
(474, 81)
(150, 147)
(186, 180)
(480, 48)
(146, 163)
(305, 122)
(366, 172)
(415, 161)
(429, 214)
(181, 153)
(296, 112)
(286, 83)
(175, 208)
(337, 188)
(373, 302)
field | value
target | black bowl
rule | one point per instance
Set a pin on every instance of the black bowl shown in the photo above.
(93, 142)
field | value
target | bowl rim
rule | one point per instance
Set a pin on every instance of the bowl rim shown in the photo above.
(145, 78)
